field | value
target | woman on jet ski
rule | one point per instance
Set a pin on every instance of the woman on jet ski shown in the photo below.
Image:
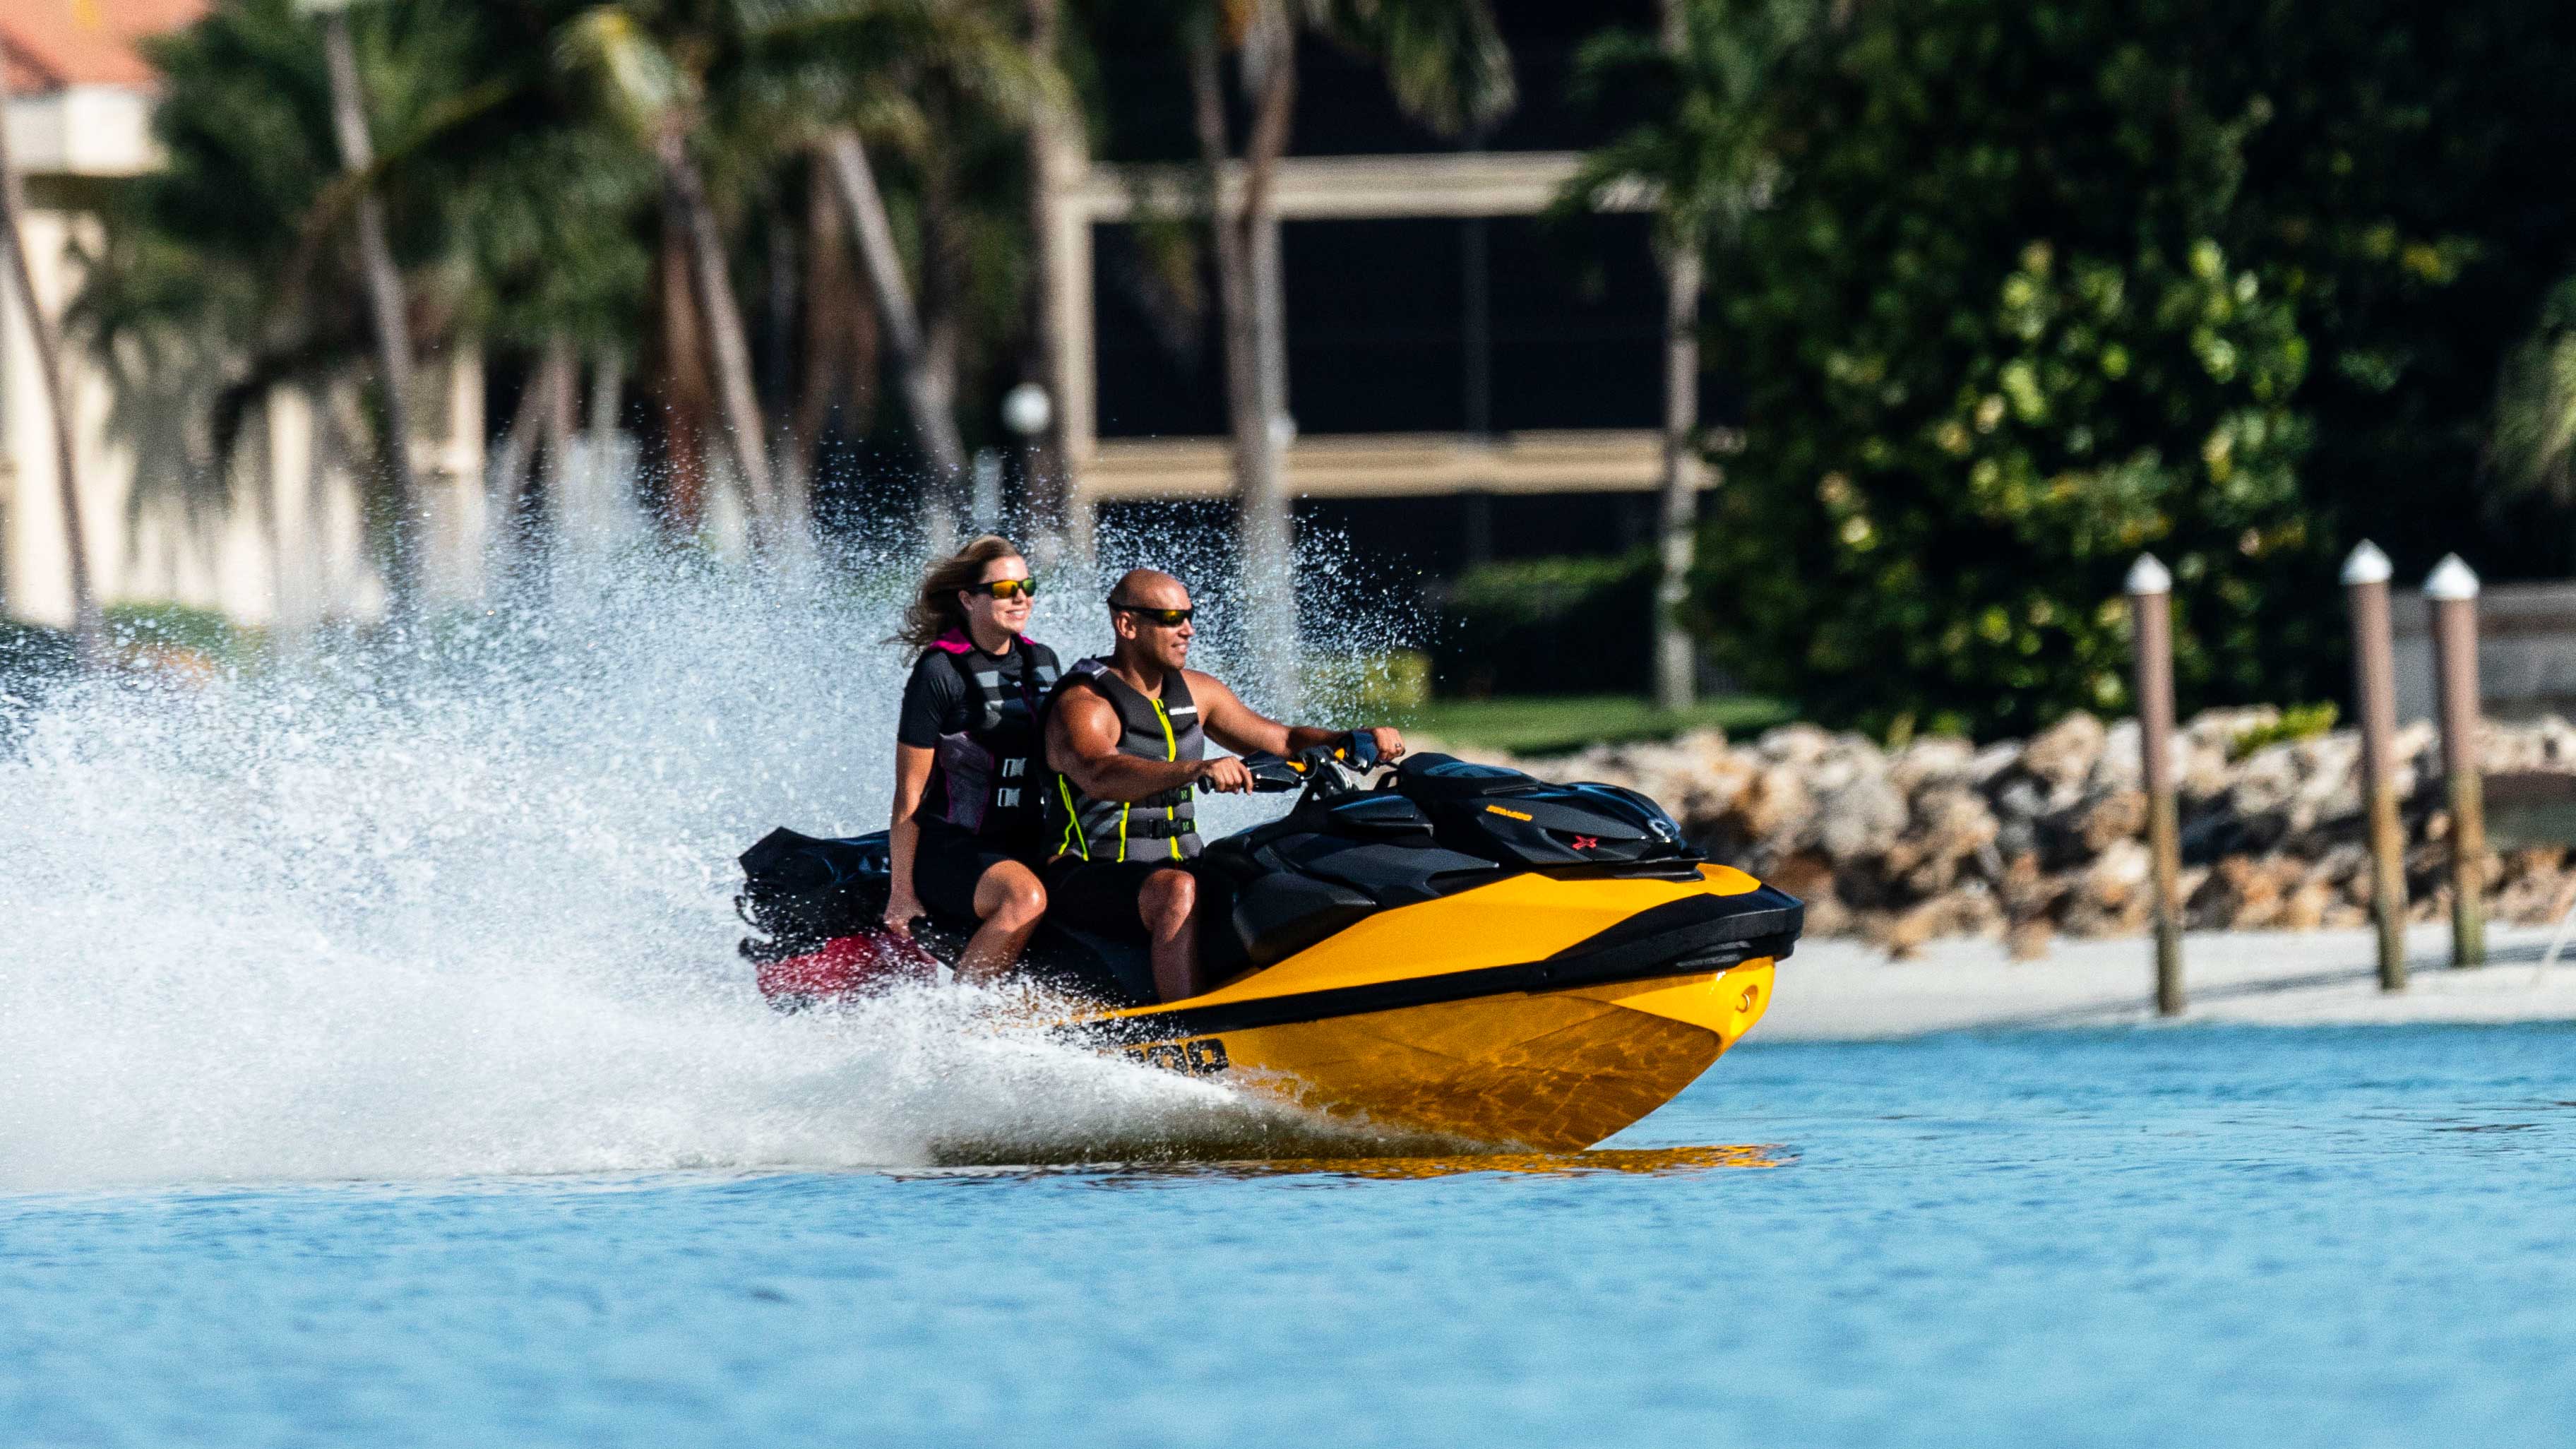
(968, 767)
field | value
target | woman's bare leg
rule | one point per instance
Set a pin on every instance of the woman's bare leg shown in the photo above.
(1009, 900)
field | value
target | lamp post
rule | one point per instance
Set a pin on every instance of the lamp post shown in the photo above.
(1027, 410)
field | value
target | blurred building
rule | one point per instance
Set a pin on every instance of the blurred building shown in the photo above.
(279, 535)
(1469, 375)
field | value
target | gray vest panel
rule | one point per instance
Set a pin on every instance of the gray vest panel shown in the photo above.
(990, 778)
(1164, 827)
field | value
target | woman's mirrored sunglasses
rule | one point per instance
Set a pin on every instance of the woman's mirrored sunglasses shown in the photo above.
(1008, 589)
(1168, 618)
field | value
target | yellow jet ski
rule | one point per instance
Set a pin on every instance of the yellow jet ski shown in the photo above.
(1441, 948)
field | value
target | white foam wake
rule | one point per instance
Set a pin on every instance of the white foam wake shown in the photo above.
(466, 911)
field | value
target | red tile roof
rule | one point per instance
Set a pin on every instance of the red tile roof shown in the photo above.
(49, 44)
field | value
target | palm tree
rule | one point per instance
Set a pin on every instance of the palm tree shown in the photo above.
(89, 626)
(906, 70)
(2532, 444)
(666, 65)
(561, 273)
(650, 64)
(928, 383)
(511, 217)
(841, 331)
(1055, 142)
(385, 306)
(1445, 61)
(1706, 156)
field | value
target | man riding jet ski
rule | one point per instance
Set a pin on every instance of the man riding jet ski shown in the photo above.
(1436, 947)
(1127, 739)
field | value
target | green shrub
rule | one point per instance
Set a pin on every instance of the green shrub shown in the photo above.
(206, 633)
(2044, 284)
(1548, 626)
(1558, 724)
(1374, 688)
(2298, 722)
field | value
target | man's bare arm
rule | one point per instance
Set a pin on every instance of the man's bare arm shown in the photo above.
(1241, 728)
(1236, 725)
(1082, 745)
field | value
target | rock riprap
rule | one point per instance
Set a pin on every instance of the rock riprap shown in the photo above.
(2028, 839)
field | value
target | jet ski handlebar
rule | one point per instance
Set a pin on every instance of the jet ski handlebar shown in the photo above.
(1331, 769)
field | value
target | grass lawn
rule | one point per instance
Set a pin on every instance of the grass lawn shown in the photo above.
(1553, 724)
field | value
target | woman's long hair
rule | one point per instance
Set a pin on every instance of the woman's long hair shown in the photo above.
(934, 609)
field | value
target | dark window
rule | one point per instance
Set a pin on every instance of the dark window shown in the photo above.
(1374, 326)
(1578, 324)
(1378, 328)
(1161, 367)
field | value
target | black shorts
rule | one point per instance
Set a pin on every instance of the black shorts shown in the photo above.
(1100, 895)
(946, 867)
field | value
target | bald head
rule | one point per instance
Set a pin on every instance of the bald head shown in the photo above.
(1145, 642)
(1150, 589)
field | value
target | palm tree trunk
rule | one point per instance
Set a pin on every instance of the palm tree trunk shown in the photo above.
(927, 396)
(1251, 296)
(939, 291)
(686, 402)
(607, 387)
(839, 370)
(727, 342)
(535, 448)
(1675, 660)
(89, 625)
(514, 461)
(563, 381)
(791, 448)
(1053, 138)
(385, 311)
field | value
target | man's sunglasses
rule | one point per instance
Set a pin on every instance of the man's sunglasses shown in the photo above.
(1008, 589)
(1168, 618)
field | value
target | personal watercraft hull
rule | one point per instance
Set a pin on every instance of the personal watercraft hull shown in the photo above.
(1621, 992)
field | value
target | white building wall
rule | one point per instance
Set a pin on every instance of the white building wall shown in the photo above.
(281, 539)
(38, 580)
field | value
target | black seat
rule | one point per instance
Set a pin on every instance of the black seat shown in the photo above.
(1446, 777)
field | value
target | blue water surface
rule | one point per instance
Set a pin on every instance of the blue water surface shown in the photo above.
(2156, 1236)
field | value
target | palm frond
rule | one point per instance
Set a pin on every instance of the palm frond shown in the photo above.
(2532, 444)
(1444, 59)
(1709, 153)
(632, 73)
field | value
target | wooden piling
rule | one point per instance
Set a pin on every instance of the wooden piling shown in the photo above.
(2452, 591)
(2365, 581)
(2150, 589)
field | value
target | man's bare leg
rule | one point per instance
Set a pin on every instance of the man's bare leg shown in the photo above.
(1009, 900)
(1168, 904)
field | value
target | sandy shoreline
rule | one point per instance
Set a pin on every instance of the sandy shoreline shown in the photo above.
(1846, 990)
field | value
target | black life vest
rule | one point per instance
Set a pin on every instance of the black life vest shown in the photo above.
(990, 778)
(1163, 827)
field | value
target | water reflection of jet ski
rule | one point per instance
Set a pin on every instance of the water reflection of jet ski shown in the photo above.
(1443, 947)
